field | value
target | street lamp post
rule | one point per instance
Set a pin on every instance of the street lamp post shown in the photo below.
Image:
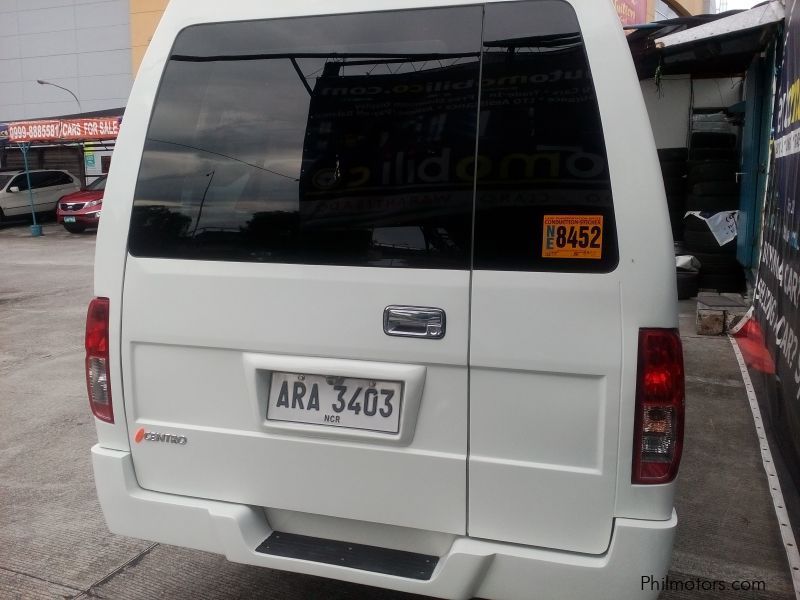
(69, 91)
(36, 229)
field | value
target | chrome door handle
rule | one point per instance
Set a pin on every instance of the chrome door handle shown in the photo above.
(414, 321)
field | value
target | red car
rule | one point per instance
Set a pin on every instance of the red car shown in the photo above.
(81, 210)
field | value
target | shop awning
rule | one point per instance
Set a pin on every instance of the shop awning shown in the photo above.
(706, 45)
(100, 126)
(758, 17)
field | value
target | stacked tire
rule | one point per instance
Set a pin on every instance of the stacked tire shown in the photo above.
(712, 188)
(674, 171)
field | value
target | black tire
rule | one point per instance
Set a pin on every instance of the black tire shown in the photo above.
(715, 188)
(74, 227)
(673, 154)
(693, 223)
(677, 204)
(712, 204)
(676, 223)
(712, 139)
(717, 263)
(712, 170)
(688, 284)
(675, 185)
(671, 170)
(705, 242)
(713, 154)
(723, 282)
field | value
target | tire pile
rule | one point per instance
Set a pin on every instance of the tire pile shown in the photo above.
(709, 186)
(674, 170)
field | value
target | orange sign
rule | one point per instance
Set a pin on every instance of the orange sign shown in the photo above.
(572, 236)
(58, 130)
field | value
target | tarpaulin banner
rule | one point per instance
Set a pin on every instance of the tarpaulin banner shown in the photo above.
(73, 130)
(777, 298)
(3, 134)
(631, 12)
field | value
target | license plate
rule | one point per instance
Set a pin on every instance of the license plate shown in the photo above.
(69, 219)
(335, 401)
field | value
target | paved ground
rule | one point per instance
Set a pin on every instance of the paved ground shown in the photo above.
(54, 544)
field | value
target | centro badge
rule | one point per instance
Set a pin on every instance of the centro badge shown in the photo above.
(154, 436)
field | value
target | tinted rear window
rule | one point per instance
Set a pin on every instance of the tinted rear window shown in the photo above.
(324, 140)
(544, 194)
(354, 140)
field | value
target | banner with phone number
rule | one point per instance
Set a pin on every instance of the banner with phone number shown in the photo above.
(71, 130)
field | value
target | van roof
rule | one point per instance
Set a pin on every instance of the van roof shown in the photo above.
(188, 12)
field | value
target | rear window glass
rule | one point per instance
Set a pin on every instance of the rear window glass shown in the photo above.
(383, 139)
(543, 194)
(326, 140)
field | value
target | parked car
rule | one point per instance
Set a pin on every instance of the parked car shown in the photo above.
(47, 185)
(81, 210)
(389, 297)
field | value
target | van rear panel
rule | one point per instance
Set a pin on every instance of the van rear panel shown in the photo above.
(196, 365)
(376, 272)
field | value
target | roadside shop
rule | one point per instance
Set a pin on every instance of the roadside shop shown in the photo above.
(80, 144)
(708, 82)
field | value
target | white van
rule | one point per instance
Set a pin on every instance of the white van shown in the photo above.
(386, 295)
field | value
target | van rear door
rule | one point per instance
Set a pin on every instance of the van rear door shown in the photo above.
(545, 345)
(296, 298)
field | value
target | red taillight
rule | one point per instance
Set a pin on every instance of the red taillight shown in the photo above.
(98, 378)
(658, 428)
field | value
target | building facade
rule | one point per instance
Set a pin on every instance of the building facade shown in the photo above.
(81, 45)
(93, 48)
(632, 12)
(145, 15)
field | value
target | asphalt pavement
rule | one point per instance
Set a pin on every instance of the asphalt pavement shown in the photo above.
(54, 542)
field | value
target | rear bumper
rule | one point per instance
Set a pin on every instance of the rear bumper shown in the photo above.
(470, 568)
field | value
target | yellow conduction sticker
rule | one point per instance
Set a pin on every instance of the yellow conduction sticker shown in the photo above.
(572, 236)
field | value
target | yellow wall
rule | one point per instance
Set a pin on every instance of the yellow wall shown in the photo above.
(692, 7)
(145, 15)
(695, 7)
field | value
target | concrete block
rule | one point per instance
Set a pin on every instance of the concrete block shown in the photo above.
(710, 322)
(732, 318)
(715, 301)
(736, 299)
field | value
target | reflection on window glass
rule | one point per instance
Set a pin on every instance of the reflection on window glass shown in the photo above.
(542, 171)
(361, 140)
(327, 140)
